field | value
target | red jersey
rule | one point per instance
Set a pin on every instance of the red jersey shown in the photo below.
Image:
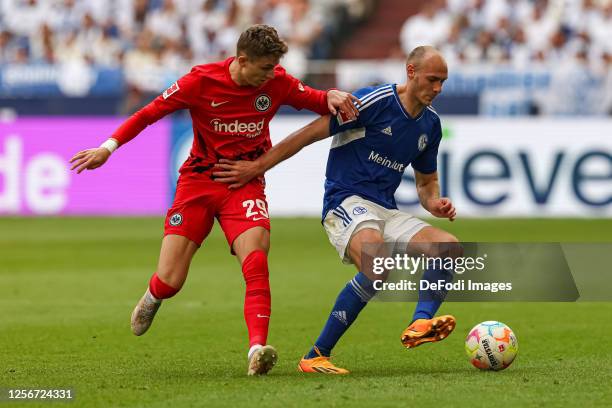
(229, 121)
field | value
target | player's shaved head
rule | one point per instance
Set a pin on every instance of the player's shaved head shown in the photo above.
(423, 53)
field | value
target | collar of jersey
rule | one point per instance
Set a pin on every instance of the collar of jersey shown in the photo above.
(406, 114)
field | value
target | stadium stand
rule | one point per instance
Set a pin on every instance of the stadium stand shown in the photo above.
(154, 41)
(153, 33)
(518, 32)
(118, 53)
(506, 57)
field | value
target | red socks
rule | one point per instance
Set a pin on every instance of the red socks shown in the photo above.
(159, 289)
(257, 300)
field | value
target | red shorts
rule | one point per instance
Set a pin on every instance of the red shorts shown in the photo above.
(197, 202)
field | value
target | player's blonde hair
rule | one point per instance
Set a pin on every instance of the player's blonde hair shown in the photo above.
(261, 40)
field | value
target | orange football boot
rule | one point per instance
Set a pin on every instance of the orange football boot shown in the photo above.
(320, 364)
(428, 330)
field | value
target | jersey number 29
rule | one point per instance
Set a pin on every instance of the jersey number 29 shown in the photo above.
(258, 213)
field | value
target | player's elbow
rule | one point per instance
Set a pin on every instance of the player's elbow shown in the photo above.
(422, 180)
(449, 246)
(315, 131)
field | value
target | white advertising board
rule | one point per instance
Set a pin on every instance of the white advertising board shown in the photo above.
(489, 167)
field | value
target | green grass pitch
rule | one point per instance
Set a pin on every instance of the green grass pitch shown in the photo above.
(68, 287)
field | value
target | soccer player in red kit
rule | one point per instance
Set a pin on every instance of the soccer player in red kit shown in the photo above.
(231, 104)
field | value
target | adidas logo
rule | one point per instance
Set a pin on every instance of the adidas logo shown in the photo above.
(340, 315)
(387, 131)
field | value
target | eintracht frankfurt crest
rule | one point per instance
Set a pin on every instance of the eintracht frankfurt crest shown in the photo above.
(263, 103)
(176, 219)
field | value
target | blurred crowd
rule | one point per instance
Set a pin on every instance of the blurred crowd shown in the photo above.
(155, 41)
(517, 32)
(145, 36)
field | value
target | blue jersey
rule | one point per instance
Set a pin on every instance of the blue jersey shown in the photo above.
(368, 155)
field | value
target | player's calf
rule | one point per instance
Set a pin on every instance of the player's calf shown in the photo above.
(257, 298)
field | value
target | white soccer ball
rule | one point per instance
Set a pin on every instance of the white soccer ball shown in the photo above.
(491, 345)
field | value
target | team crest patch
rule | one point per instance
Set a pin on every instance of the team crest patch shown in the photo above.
(176, 219)
(172, 89)
(263, 103)
(422, 144)
(359, 210)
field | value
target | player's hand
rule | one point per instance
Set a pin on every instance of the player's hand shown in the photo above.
(342, 102)
(89, 159)
(442, 208)
(236, 173)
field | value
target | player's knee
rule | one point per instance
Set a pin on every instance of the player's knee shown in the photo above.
(444, 244)
(369, 240)
(451, 249)
(367, 244)
(250, 241)
(447, 237)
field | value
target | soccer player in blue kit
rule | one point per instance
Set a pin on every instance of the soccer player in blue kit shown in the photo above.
(396, 127)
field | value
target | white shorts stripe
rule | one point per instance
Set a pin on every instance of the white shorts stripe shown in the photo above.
(342, 210)
(345, 220)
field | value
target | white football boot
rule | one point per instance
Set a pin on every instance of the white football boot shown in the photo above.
(144, 312)
(261, 360)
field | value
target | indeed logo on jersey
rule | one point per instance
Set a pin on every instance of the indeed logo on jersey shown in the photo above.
(384, 161)
(250, 129)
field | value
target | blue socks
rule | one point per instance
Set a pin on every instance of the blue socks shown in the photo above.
(351, 300)
(355, 296)
(430, 300)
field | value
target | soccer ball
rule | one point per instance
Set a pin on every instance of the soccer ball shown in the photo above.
(491, 346)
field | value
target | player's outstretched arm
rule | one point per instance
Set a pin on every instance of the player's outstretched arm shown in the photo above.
(428, 189)
(93, 158)
(238, 173)
(180, 95)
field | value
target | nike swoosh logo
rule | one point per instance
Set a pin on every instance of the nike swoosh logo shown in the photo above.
(214, 105)
(260, 315)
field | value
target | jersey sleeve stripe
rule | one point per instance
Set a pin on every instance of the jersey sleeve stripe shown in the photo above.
(372, 94)
(372, 101)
